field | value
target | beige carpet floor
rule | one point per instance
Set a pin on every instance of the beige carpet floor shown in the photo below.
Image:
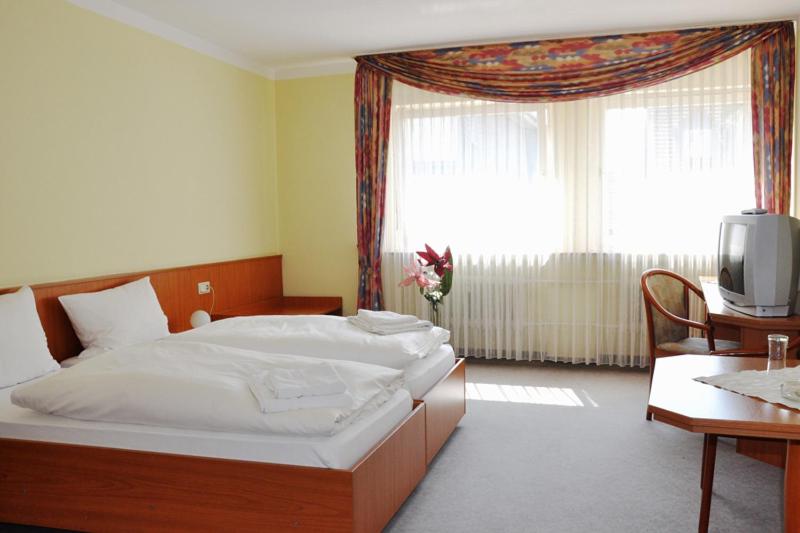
(565, 448)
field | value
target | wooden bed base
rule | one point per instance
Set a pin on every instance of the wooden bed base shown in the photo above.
(107, 489)
(445, 405)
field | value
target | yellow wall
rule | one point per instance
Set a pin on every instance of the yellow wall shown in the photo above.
(317, 186)
(120, 151)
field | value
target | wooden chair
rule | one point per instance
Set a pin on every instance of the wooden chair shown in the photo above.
(666, 303)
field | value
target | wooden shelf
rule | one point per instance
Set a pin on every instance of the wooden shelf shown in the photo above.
(748, 330)
(285, 305)
(725, 315)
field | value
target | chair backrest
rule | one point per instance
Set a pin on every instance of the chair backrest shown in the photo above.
(672, 293)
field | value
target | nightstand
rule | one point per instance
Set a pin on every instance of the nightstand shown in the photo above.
(285, 305)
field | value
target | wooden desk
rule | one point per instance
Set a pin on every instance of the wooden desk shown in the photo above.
(285, 305)
(678, 400)
(749, 330)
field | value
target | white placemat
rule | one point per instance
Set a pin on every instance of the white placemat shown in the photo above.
(758, 383)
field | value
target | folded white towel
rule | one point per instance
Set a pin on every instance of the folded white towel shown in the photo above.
(269, 403)
(419, 325)
(384, 318)
(316, 380)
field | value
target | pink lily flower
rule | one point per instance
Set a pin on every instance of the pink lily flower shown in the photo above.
(440, 263)
(415, 274)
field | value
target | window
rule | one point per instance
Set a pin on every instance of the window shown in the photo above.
(650, 171)
(554, 210)
(677, 167)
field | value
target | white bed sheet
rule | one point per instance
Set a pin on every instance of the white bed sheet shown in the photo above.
(422, 375)
(320, 336)
(341, 451)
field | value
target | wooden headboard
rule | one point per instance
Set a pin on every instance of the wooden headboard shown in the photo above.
(235, 283)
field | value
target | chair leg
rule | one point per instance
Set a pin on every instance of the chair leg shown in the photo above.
(649, 415)
(707, 480)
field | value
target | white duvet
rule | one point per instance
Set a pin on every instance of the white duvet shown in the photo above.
(321, 336)
(198, 386)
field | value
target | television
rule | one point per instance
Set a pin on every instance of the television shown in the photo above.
(759, 263)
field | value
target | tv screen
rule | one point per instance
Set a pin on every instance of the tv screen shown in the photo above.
(731, 257)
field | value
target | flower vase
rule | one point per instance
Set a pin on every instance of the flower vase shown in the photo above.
(435, 315)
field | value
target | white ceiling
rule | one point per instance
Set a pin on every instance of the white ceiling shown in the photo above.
(290, 37)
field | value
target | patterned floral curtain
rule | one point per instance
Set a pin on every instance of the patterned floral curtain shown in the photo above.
(373, 109)
(571, 69)
(772, 72)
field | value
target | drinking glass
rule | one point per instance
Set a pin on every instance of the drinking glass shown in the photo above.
(777, 351)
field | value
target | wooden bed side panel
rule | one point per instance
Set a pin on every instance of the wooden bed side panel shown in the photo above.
(388, 475)
(445, 406)
(235, 283)
(105, 489)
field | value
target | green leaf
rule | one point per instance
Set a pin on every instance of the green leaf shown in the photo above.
(447, 283)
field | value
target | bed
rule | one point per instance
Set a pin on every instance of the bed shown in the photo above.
(420, 377)
(341, 451)
(438, 381)
(437, 378)
(56, 473)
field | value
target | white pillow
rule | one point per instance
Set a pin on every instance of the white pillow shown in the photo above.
(23, 344)
(115, 318)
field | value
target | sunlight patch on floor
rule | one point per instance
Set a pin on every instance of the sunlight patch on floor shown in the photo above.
(495, 392)
(589, 398)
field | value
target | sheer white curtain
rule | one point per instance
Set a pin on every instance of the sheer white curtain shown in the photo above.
(554, 210)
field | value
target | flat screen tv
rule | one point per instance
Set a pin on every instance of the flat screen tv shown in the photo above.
(759, 263)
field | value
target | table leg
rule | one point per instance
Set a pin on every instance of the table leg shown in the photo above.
(703, 461)
(707, 480)
(791, 488)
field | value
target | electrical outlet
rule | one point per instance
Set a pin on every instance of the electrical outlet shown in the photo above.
(204, 287)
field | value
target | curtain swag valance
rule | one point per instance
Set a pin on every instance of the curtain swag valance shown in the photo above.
(571, 69)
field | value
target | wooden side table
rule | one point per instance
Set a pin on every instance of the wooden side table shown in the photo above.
(677, 399)
(750, 331)
(285, 305)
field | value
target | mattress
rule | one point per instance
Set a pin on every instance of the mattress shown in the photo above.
(341, 451)
(423, 374)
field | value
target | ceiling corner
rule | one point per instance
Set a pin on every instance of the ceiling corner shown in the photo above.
(140, 21)
(311, 70)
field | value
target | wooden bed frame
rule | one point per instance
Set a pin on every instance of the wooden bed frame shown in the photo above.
(89, 488)
(445, 405)
(110, 489)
